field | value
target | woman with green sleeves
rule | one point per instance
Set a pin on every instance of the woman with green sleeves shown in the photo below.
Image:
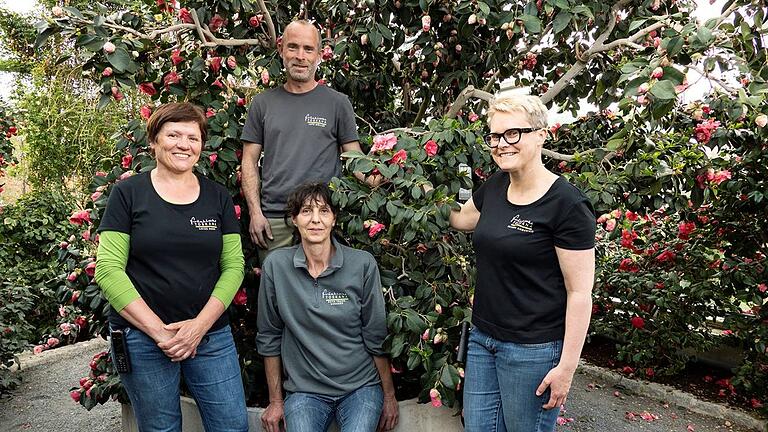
(169, 262)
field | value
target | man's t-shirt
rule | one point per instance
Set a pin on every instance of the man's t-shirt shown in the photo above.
(174, 248)
(300, 136)
(520, 295)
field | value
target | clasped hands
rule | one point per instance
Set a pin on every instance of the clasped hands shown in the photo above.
(179, 340)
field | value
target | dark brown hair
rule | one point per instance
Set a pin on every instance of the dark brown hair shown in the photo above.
(309, 191)
(176, 112)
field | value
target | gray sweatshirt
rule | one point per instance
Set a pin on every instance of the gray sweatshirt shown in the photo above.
(327, 329)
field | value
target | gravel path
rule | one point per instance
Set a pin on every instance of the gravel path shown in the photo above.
(42, 402)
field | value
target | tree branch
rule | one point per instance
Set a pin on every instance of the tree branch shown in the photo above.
(716, 80)
(567, 157)
(563, 81)
(270, 23)
(206, 35)
(469, 92)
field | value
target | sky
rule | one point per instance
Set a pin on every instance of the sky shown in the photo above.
(704, 12)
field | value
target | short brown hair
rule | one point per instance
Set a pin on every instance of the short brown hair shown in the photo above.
(316, 191)
(176, 112)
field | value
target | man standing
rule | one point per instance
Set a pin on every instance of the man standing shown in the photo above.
(300, 126)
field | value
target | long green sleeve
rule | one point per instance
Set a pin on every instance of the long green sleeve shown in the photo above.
(110, 274)
(232, 269)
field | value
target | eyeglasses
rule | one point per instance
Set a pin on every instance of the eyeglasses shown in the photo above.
(511, 136)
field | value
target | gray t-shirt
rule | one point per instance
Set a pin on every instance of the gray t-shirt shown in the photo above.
(300, 136)
(326, 330)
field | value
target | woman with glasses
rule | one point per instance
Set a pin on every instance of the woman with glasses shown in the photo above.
(534, 236)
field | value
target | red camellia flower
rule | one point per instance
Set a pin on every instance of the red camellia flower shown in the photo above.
(431, 148)
(627, 238)
(637, 322)
(185, 16)
(704, 130)
(117, 94)
(215, 64)
(165, 7)
(147, 88)
(80, 217)
(231, 62)
(327, 52)
(666, 256)
(627, 370)
(238, 211)
(81, 321)
(375, 228)
(145, 111)
(90, 269)
(399, 158)
(631, 216)
(627, 265)
(210, 112)
(106, 72)
(75, 395)
(176, 57)
(685, 229)
(255, 21)
(212, 157)
(171, 78)
(216, 23)
(649, 372)
(126, 161)
(217, 83)
(762, 287)
(240, 298)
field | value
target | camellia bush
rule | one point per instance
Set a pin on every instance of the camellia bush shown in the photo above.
(418, 73)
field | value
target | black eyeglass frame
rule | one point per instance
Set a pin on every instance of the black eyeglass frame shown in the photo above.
(487, 138)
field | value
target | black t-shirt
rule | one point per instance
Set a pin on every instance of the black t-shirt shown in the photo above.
(520, 295)
(174, 248)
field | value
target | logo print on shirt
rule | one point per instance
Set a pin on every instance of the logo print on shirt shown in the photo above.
(315, 121)
(523, 225)
(334, 298)
(204, 224)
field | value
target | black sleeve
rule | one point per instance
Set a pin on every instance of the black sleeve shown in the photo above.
(229, 222)
(577, 225)
(118, 215)
(487, 187)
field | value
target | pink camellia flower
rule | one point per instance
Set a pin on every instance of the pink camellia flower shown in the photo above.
(108, 47)
(106, 72)
(176, 57)
(610, 225)
(395, 370)
(255, 21)
(375, 229)
(231, 62)
(38, 349)
(425, 335)
(657, 73)
(643, 88)
(171, 78)
(426, 22)
(704, 130)
(617, 213)
(431, 148)
(75, 296)
(384, 142)
(52, 342)
(75, 395)
(265, 77)
(642, 100)
(100, 174)
(603, 218)
(684, 230)
(238, 211)
(117, 94)
(210, 112)
(65, 328)
(638, 322)
(721, 176)
(145, 111)
(217, 83)
(399, 158)
(213, 157)
(80, 217)
(762, 287)
(240, 101)
(86, 235)
(72, 277)
(438, 339)
(217, 22)
(126, 161)
(421, 248)
(185, 16)
(321, 82)
(62, 311)
(57, 11)
(473, 117)
(761, 120)
(64, 245)
(240, 298)
(434, 395)
(327, 53)
(90, 269)
(147, 88)
(126, 174)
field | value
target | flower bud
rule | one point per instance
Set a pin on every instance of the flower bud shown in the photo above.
(643, 88)
(472, 20)
(657, 73)
(108, 47)
(761, 120)
(57, 11)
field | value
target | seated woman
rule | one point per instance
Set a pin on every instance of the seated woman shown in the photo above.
(321, 320)
(170, 262)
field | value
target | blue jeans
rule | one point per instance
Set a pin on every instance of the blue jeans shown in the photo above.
(358, 411)
(501, 381)
(213, 378)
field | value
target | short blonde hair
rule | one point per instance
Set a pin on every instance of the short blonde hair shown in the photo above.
(531, 106)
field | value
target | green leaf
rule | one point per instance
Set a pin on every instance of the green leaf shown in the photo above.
(561, 21)
(375, 38)
(704, 35)
(120, 59)
(664, 90)
(532, 23)
(484, 8)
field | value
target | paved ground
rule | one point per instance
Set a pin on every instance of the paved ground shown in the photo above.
(42, 402)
